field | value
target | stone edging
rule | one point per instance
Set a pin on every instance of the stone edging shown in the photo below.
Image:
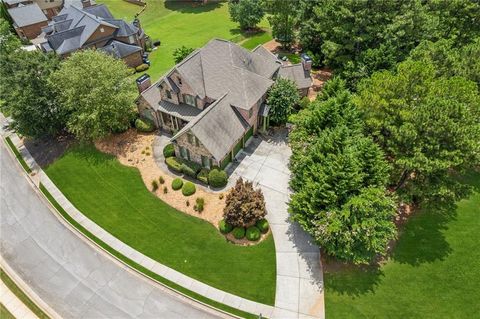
(168, 273)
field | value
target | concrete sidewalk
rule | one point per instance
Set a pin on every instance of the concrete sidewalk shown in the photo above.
(14, 305)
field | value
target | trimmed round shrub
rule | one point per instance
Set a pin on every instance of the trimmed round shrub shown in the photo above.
(262, 224)
(142, 67)
(169, 150)
(188, 189)
(238, 232)
(200, 203)
(224, 227)
(202, 176)
(144, 125)
(217, 178)
(177, 183)
(253, 233)
(174, 164)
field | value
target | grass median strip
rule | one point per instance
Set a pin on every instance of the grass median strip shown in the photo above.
(140, 268)
(21, 295)
(18, 155)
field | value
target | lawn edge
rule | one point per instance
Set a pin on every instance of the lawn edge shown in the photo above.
(138, 268)
(17, 154)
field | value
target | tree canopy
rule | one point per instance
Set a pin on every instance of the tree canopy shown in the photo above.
(244, 205)
(248, 13)
(282, 98)
(181, 53)
(283, 19)
(96, 90)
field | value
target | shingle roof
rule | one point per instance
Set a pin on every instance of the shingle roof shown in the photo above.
(218, 128)
(124, 29)
(297, 74)
(260, 49)
(119, 49)
(25, 15)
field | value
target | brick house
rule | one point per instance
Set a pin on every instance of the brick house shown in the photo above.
(49, 7)
(28, 20)
(214, 100)
(94, 27)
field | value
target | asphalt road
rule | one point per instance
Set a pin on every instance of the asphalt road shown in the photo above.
(73, 277)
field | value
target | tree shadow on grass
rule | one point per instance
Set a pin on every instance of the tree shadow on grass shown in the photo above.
(47, 150)
(186, 6)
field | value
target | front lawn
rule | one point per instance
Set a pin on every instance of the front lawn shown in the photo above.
(115, 197)
(433, 273)
(182, 23)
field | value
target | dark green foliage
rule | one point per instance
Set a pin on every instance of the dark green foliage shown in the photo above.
(238, 232)
(177, 183)
(142, 67)
(190, 168)
(154, 185)
(181, 53)
(428, 126)
(283, 18)
(165, 189)
(224, 227)
(217, 178)
(169, 150)
(199, 204)
(248, 13)
(282, 98)
(203, 175)
(262, 224)
(244, 205)
(333, 165)
(188, 189)
(161, 180)
(174, 164)
(144, 125)
(253, 233)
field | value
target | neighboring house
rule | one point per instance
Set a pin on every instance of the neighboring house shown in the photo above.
(94, 27)
(28, 20)
(49, 7)
(214, 100)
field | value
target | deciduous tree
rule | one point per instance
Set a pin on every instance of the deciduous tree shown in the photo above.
(282, 98)
(248, 13)
(244, 205)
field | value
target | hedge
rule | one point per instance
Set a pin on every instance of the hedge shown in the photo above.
(238, 232)
(142, 67)
(188, 189)
(202, 176)
(262, 224)
(253, 233)
(190, 168)
(144, 125)
(177, 183)
(224, 227)
(174, 164)
(169, 150)
(217, 178)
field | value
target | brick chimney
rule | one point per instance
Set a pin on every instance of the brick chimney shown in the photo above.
(86, 3)
(143, 83)
(306, 62)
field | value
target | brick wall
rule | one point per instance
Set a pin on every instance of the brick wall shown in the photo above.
(31, 31)
(134, 59)
(196, 152)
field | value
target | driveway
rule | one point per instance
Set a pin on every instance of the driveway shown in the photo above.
(299, 291)
(72, 276)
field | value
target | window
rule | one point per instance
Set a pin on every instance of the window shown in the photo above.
(184, 153)
(190, 138)
(189, 99)
(179, 81)
(196, 141)
(131, 39)
(205, 162)
(169, 95)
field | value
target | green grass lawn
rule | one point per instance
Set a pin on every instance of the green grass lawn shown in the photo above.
(4, 313)
(433, 273)
(183, 23)
(115, 197)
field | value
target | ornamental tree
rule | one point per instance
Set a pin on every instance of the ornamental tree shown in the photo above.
(97, 92)
(244, 206)
(181, 53)
(248, 13)
(282, 98)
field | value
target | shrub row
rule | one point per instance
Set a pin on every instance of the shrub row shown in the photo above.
(252, 233)
(215, 177)
(144, 125)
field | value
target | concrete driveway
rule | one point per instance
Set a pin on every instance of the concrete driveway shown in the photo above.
(299, 292)
(75, 278)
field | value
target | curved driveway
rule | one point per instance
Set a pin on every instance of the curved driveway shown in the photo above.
(71, 276)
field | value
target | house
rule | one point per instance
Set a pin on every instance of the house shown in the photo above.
(94, 27)
(214, 100)
(49, 7)
(28, 20)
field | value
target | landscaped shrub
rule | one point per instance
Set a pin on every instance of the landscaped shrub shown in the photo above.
(177, 183)
(217, 178)
(161, 180)
(220, 196)
(238, 232)
(200, 202)
(202, 176)
(262, 224)
(224, 227)
(188, 189)
(244, 205)
(253, 233)
(154, 185)
(165, 189)
(190, 168)
(174, 164)
(169, 150)
(142, 67)
(144, 125)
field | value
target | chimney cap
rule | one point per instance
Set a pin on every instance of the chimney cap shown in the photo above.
(142, 78)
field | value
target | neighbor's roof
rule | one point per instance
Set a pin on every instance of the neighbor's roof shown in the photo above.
(297, 74)
(10, 2)
(119, 49)
(25, 15)
(218, 128)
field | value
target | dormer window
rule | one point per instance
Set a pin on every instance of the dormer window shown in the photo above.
(169, 95)
(102, 30)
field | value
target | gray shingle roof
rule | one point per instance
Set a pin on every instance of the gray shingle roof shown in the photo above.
(260, 49)
(25, 15)
(297, 74)
(119, 49)
(218, 128)
(124, 29)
